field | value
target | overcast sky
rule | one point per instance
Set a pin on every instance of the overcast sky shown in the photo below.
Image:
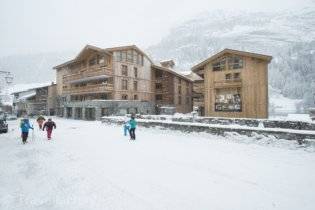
(33, 26)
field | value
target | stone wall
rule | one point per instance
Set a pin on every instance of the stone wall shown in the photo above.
(188, 127)
(296, 125)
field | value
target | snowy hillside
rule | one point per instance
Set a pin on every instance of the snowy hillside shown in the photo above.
(288, 36)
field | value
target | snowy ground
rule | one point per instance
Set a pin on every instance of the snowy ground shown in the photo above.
(89, 165)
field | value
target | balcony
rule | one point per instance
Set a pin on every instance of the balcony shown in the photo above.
(198, 102)
(228, 83)
(98, 88)
(88, 72)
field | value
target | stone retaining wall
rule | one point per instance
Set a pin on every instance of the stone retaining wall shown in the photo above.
(296, 125)
(299, 136)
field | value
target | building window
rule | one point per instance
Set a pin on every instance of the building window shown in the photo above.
(130, 56)
(235, 62)
(135, 71)
(237, 76)
(102, 60)
(124, 84)
(124, 70)
(228, 76)
(123, 56)
(105, 111)
(158, 97)
(92, 61)
(135, 97)
(187, 100)
(228, 100)
(135, 85)
(158, 86)
(124, 97)
(140, 60)
(179, 89)
(179, 100)
(219, 65)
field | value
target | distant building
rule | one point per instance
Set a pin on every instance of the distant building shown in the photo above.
(233, 84)
(35, 101)
(173, 91)
(112, 81)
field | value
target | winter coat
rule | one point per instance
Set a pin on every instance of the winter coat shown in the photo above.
(132, 123)
(49, 125)
(25, 125)
(40, 119)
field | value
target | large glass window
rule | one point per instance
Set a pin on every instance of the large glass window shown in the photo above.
(124, 70)
(135, 85)
(135, 71)
(124, 84)
(124, 56)
(92, 61)
(235, 62)
(228, 100)
(219, 65)
(158, 97)
(130, 56)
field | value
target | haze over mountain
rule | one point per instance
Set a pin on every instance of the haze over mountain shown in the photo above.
(288, 36)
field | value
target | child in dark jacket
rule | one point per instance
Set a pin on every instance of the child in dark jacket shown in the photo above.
(49, 125)
(132, 128)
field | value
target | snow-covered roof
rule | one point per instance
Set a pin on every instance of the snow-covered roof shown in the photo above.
(26, 96)
(25, 87)
(88, 79)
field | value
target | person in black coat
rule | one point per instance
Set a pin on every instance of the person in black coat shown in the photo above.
(49, 125)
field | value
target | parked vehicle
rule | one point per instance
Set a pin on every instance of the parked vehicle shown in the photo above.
(11, 117)
(3, 126)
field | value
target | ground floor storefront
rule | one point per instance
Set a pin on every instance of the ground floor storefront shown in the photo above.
(94, 110)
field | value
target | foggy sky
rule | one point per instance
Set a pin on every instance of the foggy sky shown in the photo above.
(34, 26)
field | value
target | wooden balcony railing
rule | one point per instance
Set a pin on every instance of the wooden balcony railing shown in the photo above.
(88, 72)
(198, 101)
(99, 88)
(228, 83)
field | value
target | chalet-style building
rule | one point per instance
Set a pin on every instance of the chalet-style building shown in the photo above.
(234, 84)
(173, 91)
(35, 101)
(108, 81)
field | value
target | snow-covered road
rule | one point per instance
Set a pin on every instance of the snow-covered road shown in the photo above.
(89, 165)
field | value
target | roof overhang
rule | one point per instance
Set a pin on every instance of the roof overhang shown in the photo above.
(129, 47)
(171, 72)
(86, 49)
(201, 65)
(90, 79)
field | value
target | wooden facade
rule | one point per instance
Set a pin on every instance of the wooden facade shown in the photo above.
(35, 101)
(121, 73)
(235, 84)
(172, 89)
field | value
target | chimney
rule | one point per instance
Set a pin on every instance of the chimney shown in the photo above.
(168, 64)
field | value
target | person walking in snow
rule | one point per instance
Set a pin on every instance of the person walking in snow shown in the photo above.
(49, 125)
(40, 120)
(126, 127)
(132, 128)
(25, 127)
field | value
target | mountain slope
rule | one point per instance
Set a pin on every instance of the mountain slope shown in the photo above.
(288, 36)
(33, 67)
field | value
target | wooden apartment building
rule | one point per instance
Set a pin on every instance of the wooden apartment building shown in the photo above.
(171, 88)
(35, 101)
(108, 81)
(234, 84)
